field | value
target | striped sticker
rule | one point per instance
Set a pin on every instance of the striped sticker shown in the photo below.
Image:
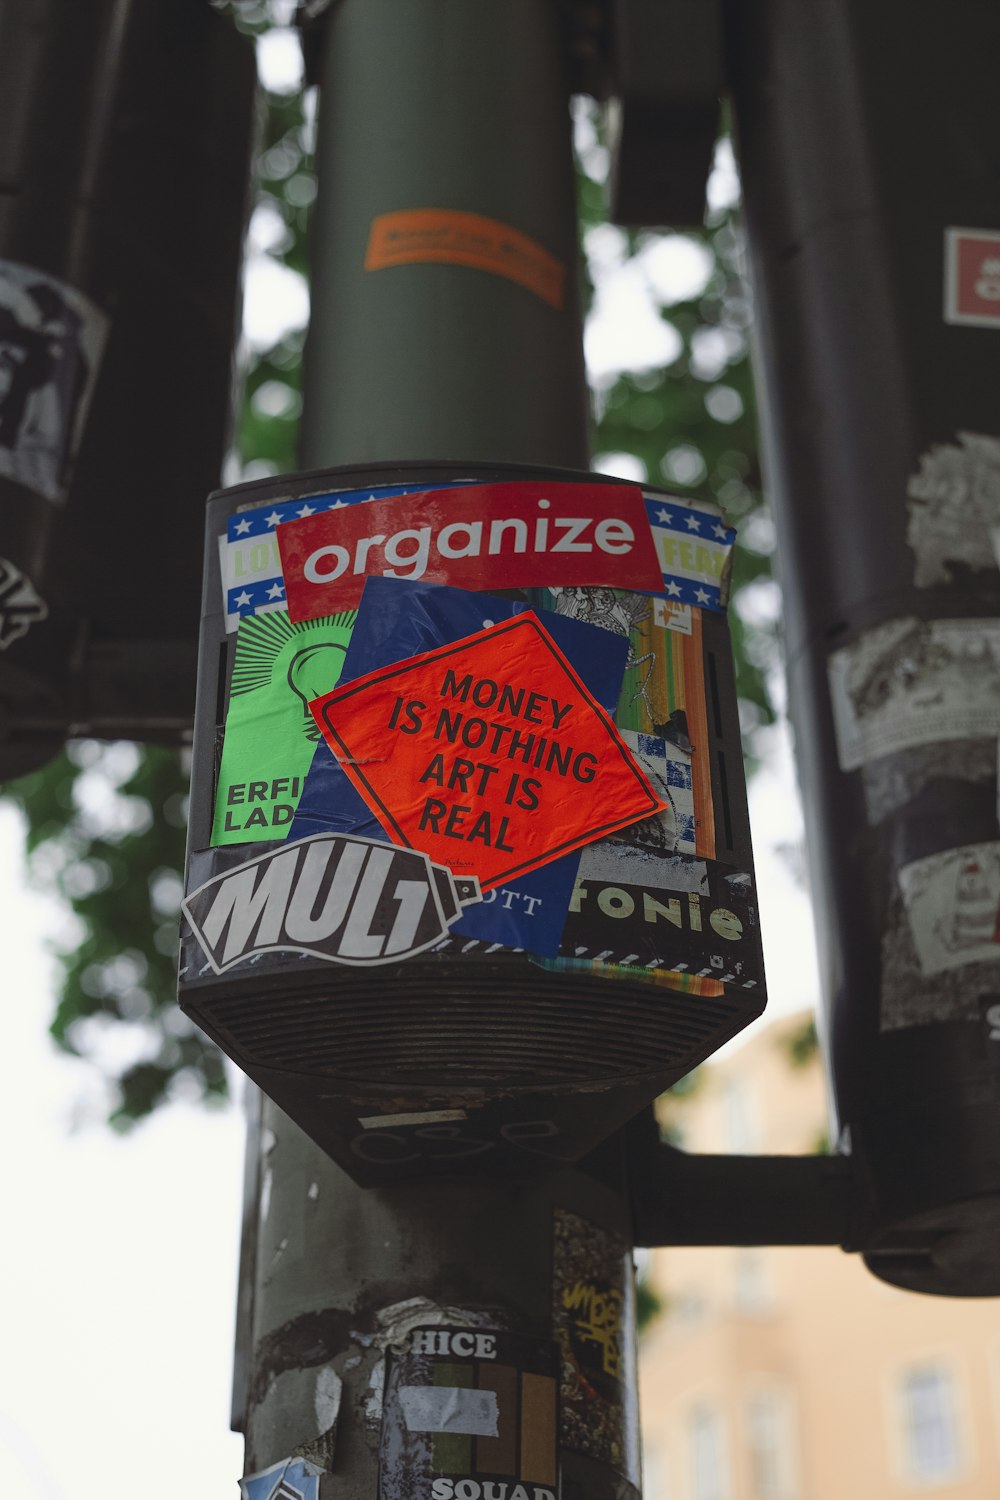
(467, 1404)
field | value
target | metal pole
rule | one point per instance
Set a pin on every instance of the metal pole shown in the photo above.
(448, 109)
(875, 243)
(445, 108)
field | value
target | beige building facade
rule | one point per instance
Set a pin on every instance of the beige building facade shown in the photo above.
(792, 1373)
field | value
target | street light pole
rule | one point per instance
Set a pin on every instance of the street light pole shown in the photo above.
(428, 108)
(445, 326)
(872, 222)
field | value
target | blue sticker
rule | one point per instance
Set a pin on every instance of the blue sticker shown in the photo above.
(292, 1479)
(248, 554)
(528, 913)
(398, 619)
(694, 547)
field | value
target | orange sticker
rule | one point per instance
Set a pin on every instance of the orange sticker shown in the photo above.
(460, 239)
(488, 753)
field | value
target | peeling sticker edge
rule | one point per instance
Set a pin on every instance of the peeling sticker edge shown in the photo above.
(449, 1408)
(414, 1117)
(395, 1324)
(327, 1398)
(274, 1474)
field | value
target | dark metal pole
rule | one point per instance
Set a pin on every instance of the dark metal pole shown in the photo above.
(868, 148)
(430, 108)
(443, 109)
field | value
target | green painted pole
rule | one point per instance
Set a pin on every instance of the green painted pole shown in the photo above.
(437, 108)
(444, 107)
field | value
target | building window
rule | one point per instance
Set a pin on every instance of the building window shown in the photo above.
(769, 1441)
(742, 1135)
(754, 1293)
(654, 1474)
(930, 1429)
(707, 1446)
(690, 1308)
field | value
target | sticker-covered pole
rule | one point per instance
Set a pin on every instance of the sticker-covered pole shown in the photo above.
(445, 301)
(452, 1336)
(867, 139)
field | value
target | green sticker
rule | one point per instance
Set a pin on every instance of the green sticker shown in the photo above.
(271, 736)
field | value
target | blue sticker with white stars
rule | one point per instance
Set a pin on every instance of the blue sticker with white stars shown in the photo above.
(694, 548)
(693, 545)
(249, 560)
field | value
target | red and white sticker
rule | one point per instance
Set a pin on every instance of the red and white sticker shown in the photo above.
(480, 536)
(972, 277)
(489, 750)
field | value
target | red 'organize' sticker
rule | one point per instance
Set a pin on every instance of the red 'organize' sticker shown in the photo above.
(475, 536)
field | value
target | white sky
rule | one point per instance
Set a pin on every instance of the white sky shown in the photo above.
(119, 1266)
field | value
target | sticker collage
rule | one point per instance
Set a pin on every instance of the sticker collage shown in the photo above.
(458, 731)
(52, 339)
(464, 1407)
(916, 706)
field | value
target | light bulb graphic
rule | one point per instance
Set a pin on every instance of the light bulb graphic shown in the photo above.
(312, 672)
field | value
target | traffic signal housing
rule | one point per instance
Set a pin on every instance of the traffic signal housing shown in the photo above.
(126, 144)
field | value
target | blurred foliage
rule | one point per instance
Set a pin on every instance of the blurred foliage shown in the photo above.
(106, 822)
(692, 422)
(106, 833)
(286, 186)
(648, 1304)
(669, 1107)
(802, 1045)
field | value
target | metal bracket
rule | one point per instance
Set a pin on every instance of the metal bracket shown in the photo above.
(682, 1199)
(664, 118)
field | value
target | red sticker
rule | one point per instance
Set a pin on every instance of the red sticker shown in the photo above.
(488, 753)
(972, 277)
(476, 536)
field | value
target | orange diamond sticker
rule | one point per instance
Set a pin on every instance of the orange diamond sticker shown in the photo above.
(489, 753)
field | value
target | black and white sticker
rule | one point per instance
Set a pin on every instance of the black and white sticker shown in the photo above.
(952, 902)
(337, 897)
(51, 341)
(953, 502)
(20, 604)
(710, 932)
(910, 682)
